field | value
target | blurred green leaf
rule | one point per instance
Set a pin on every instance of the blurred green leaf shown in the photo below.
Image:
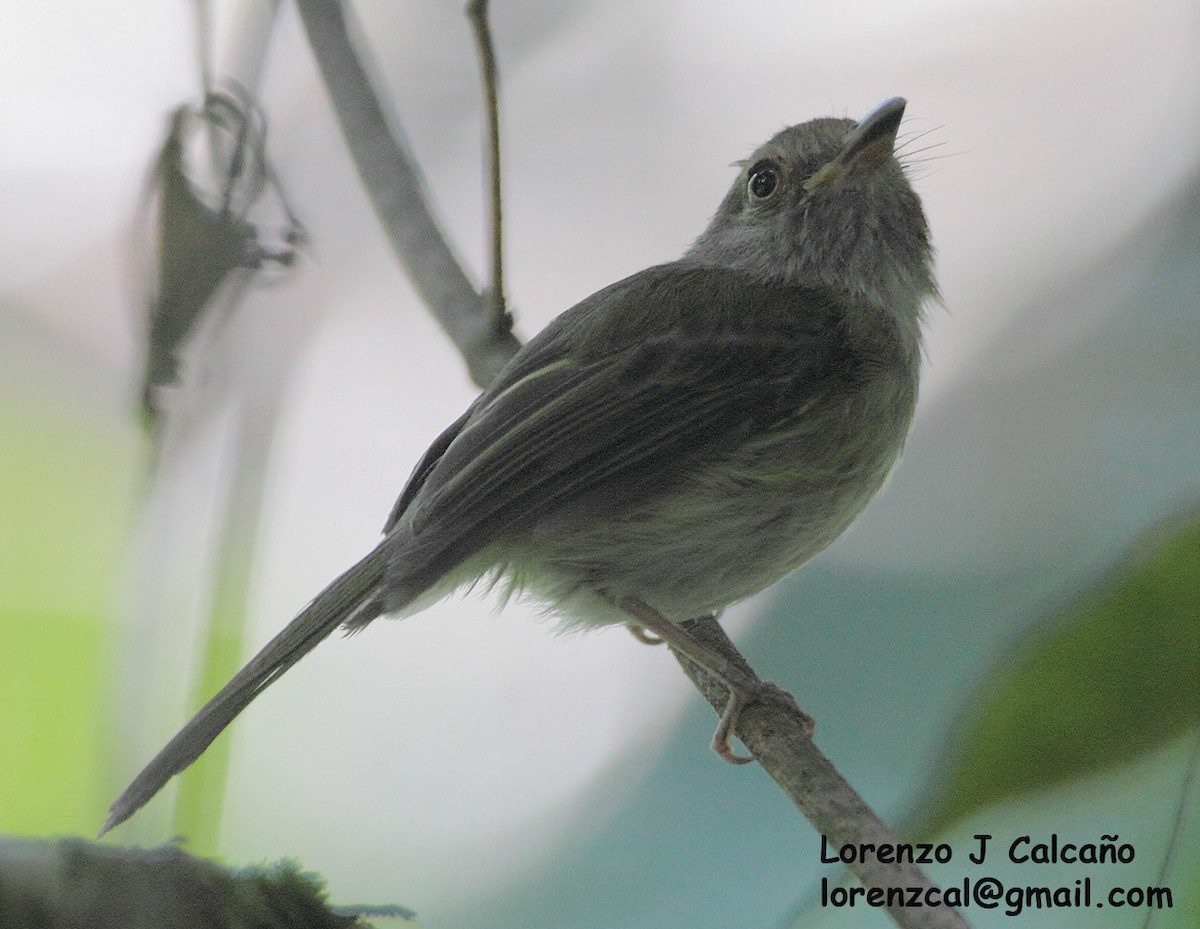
(1113, 677)
(66, 481)
(52, 723)
(65, 485)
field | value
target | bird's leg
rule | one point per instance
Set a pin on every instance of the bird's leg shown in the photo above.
(640, 633)
(743, 688)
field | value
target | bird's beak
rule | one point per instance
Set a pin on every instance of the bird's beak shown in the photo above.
(873, 139)
(870, 143)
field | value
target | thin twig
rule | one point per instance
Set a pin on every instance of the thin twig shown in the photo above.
(477, 13)
(203, 11)
(245, 53)
(204, 54)
(389, 173)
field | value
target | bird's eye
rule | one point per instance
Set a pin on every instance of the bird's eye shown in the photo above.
(763, 179)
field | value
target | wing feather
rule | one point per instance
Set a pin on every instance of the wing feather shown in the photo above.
(600, 405)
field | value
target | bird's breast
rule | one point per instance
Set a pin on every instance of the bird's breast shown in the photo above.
(735, 523)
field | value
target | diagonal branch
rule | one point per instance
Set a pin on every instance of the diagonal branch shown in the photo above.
(393, 183)
(778, 737)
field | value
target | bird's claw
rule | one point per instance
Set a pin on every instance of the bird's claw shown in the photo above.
(739, 696)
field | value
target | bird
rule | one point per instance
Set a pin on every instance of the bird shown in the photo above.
(675, 442)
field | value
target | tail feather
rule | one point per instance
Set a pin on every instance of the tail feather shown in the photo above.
(353, 594)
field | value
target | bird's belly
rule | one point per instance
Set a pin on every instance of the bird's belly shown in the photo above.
(729, 529)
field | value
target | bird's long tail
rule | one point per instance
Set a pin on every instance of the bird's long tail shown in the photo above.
(352, 595)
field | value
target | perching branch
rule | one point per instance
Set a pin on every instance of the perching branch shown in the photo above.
(392, 180)
(778, 737)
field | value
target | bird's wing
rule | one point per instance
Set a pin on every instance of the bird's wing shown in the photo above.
(620, 397)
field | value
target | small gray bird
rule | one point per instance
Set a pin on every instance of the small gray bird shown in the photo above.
(674, 443)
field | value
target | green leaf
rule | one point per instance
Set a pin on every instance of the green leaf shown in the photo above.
(1114, 676)
(67, 481)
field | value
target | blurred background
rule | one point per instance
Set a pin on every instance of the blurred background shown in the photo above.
(1006, 642)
